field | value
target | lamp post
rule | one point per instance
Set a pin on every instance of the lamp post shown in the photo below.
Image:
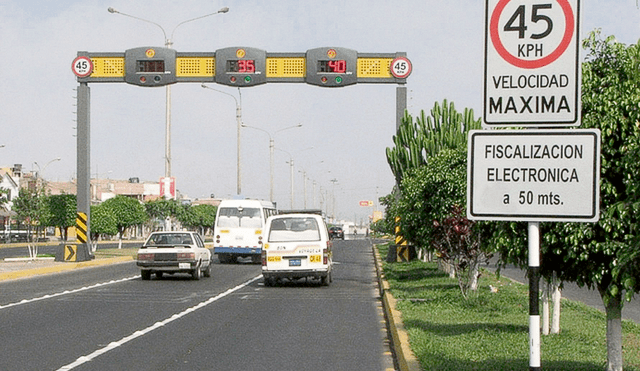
(41, 172)
(334, 181)
(239, 124)
(271, 147)
(168, 43)
(291, 169)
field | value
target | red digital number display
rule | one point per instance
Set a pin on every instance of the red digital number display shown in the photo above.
(332, 66)
(241, 66)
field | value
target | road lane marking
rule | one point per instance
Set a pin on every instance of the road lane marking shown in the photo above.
(67, 292)
(84, 359)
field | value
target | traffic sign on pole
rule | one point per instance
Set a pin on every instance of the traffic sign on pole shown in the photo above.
(82, 66)
(532, 69)
(534, 175)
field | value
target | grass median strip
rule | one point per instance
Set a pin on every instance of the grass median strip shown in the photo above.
(489, 331)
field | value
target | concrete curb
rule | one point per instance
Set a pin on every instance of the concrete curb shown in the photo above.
(62, 267)
(405, 357)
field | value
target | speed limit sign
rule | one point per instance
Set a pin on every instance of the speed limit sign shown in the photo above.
(532, 71)
(400, 67)
(82, 66)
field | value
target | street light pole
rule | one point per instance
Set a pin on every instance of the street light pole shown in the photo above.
(239, 125)
(167, 43)
(271, 148)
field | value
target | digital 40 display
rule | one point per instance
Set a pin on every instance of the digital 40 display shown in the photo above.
(332, 66)
(150, 66)
(241, 66)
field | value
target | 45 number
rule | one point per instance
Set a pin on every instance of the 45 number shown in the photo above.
(518, 21)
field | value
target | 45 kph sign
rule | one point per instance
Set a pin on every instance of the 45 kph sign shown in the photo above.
(534, 175)
(532, 71)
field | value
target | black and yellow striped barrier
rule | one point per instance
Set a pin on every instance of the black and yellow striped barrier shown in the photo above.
(402, 248)
(81, 227)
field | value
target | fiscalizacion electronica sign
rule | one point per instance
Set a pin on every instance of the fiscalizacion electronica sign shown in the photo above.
(534, 175)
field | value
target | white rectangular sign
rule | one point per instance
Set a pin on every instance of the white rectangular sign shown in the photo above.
(531, 66)
(534, 175)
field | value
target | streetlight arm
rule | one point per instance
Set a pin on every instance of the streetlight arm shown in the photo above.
(223, 92)
(114, 11)
(222, 10)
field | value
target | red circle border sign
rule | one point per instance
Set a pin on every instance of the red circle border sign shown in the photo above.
(536, 63)
(89, 69)
(402, 75)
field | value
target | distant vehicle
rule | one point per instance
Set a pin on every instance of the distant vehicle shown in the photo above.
(336, 232)
(174, 252)
(296, 246)
(238, 229)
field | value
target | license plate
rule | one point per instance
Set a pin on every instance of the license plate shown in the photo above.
(315, 259)
(294, 262)
(184, 265)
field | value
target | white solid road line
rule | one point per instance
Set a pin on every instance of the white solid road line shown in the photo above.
(115, 344)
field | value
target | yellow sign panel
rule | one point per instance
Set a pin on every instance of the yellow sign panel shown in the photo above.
(195, 67)
(286, 67)
(70, 253)
(374, 68)
(108, 67)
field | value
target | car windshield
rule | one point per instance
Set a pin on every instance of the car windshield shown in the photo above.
(239, 217)
(294, 229)
(158, 239)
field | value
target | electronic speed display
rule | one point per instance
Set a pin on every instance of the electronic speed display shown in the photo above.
(241, 66)
(148, 66)
(332, 67)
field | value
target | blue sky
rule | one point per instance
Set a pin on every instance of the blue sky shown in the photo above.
(348, 128)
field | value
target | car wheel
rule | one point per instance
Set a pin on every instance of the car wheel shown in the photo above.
(146, 275)
(196, 273)
(325, 280)
(207, 271)
(158, 274)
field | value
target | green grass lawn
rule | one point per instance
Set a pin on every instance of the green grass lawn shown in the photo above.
(490, 331)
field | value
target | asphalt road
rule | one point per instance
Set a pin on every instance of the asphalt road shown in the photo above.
(107, 318)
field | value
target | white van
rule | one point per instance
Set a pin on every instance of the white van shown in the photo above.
(238, 229)
(296, 246)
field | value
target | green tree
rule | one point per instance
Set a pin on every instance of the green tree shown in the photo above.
(30, 207)
(432, 207)
(161, 209)
(206, 216)
(103, 222)
(128, 212)
(62, 210)
(602, 255)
